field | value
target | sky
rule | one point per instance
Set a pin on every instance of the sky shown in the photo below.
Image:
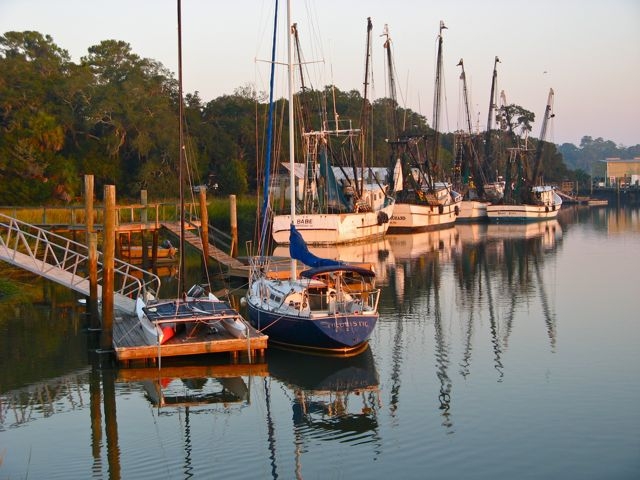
(587, 51)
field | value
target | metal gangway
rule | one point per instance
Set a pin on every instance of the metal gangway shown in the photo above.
(67, 262)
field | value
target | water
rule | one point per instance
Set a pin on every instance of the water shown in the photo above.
(501, 352)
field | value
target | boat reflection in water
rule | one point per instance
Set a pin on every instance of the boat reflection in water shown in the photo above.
(466, 279)
(333, 396)
(502, 269)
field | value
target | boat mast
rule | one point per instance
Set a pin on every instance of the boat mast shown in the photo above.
(488, 153)
(365, 114)
(543, 134)
(292, 177)
(267, 181)
(437, 100)
(181, 267)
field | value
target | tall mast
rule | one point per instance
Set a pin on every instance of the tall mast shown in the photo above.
(488, 153)
(181, 272)
(292, 177)
(437, 99)
(543, 134)
(267, 173)
(392, 85)
(463, 77)
(364, 115)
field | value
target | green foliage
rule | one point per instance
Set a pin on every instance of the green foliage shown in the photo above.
(115, 115)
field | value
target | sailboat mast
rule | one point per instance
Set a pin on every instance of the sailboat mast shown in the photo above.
(292, 176)
(181, 267)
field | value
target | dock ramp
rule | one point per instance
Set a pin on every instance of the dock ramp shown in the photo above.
(67, 262)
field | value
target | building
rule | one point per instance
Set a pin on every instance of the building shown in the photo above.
(616, 172)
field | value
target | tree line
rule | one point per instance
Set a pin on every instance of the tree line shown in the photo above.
(115, 115)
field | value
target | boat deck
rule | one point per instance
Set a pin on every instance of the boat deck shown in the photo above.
(197, 338)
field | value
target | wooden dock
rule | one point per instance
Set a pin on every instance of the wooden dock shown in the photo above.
(129, 342)
(233, 264)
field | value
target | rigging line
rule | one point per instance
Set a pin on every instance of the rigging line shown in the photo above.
(265, 193)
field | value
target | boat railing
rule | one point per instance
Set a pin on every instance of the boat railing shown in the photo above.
(352, 302)
(65, 261)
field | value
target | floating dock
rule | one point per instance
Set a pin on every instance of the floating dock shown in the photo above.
(198, 338)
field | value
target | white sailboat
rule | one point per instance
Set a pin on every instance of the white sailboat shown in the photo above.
(331, 306)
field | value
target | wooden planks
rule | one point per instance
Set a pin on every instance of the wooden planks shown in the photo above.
(130, 344)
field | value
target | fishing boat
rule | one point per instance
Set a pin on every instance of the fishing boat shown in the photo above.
(342, 200)
(525, 199)
(472, 176)
(196, 315)
(424, 201)
(329, 306)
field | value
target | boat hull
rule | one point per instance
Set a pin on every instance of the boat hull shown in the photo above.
(409, 217)
(328, 333)
(472, 211)
(523, 212)
(335, 228)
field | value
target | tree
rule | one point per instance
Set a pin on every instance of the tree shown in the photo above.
(34, 78)
(515, 120)
(133, 118)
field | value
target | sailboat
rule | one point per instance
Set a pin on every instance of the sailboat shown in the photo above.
(423, 201)
(342, 201)
(525, 200)
(331, 306)
(197, 314)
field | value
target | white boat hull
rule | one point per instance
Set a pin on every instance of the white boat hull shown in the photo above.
(546, 210)
(408, 217)
(335, 228)
(472, 211)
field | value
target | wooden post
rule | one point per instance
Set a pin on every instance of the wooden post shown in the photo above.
(94, 322)
(234, 226)
(143, 227)
(204, 224)
(154, 251)
(92, 245)
(106, 339)
(143, 213)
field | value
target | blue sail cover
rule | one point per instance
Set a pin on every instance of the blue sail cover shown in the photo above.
(299, 251)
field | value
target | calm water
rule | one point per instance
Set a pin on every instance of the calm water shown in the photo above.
(501, 352)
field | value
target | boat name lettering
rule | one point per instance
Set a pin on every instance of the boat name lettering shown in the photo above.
(304, 221)
(398, 217)
(351, 324)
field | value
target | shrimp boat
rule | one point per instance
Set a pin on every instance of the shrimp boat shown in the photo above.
(525, 200)
(423, 200)
(342, 200)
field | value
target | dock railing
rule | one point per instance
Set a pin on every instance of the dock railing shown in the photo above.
(67, 262)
